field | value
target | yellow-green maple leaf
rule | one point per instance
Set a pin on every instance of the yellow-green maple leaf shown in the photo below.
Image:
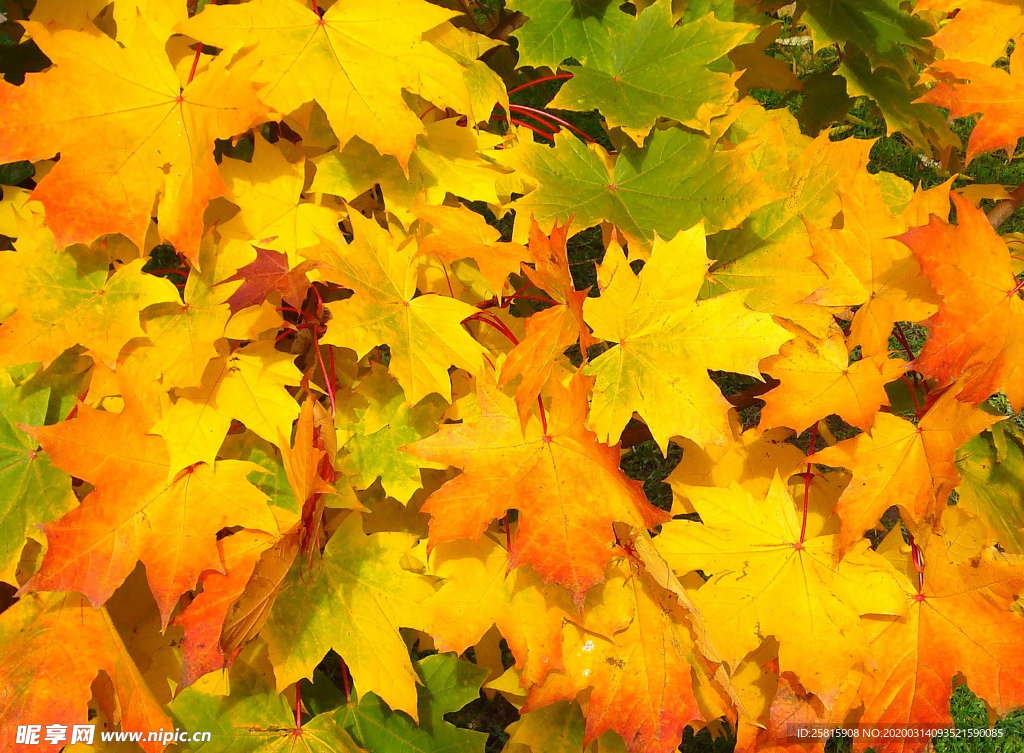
(354, 602)
(69, 298)
(666, 343)
(655, 68)
(424, 332)
(373, 450)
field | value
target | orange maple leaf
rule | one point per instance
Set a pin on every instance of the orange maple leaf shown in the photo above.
(968, 88)
(548, 332)
(962, 620)
(52, 648)
(566, 485)
(127, 132)
(135, 513)
(978, 333)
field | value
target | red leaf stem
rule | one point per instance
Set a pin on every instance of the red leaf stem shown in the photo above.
(537, 81)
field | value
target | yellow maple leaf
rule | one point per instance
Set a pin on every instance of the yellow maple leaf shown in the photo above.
(357, 61)
(424, 332)
(817, 380)
(666, 342)
(769, 578)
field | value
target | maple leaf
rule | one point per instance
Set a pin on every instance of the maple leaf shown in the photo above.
(770, 253)
(185, 333)
(992, 469)
(567, 487)
(157, 136)
(969, 88)
(459, 233)
(52, 647)
(135, 513)
(637, 654)
(250, 611)
(69, 298)
(203, 619)
(885, 282)
(353, 602)
(977, 31)
(770, 579)
(373, 451)
(267, 273)
(159, 16)
(817, 380)
(249, 386)
(556, 728)
(447, 685)
(309, 461)
(977, 335)
(32, 491)
(449, 158)
(479, 591)
(424, 332)
(630, 81)
(898, 463)
(551, 331)
(273, 216)
(560, 29)
(355, 62)
(654, 68)
(256, 719)
(669, 184)
(962, 620)
(898, 97)
(749, 458)
(666, 342)
(882, 27)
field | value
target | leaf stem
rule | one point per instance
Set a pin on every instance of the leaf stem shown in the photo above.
(560, 121)
(807, 484)
(327, 379)
(514, 121)
(195, 63)
(913, 394)
(915, 553)
(544, 125)
(902, 337)
(298, 708)
(345, 681)
(537, 81)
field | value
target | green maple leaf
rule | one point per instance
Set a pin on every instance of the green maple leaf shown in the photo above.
(382, 427)
(354, 602)
(992, 467)
(880, 27)
(896, 96)
(254, 718)
(32, 491)
(448, 685)
(672, 182)
(653, 69)
(560, 29)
